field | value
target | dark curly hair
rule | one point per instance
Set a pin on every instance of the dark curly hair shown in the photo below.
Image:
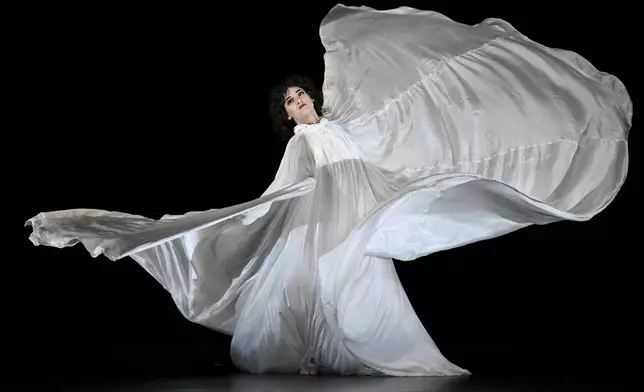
(281, 124)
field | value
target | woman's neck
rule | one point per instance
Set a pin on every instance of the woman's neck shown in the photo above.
(311, 118)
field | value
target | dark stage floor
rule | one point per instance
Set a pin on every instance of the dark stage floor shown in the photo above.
(286, 383)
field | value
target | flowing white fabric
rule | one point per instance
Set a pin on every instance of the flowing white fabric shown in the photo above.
(437, 134)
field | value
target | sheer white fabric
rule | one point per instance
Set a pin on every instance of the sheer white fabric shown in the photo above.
(436, 135)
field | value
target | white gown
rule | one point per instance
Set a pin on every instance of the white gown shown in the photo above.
(437, 135)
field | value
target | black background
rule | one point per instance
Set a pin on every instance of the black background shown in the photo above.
(163, 110)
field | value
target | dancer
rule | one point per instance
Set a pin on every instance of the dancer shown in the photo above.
(428, 135)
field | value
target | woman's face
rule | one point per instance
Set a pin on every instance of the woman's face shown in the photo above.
(299, 106)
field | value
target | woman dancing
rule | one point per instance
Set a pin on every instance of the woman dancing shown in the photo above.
(428, 135)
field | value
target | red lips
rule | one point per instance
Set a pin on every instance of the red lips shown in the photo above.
(302, 105)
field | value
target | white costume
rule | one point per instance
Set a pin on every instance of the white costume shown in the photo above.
(437, 135)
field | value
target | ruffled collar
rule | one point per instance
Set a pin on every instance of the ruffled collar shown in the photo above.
(321, 122)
